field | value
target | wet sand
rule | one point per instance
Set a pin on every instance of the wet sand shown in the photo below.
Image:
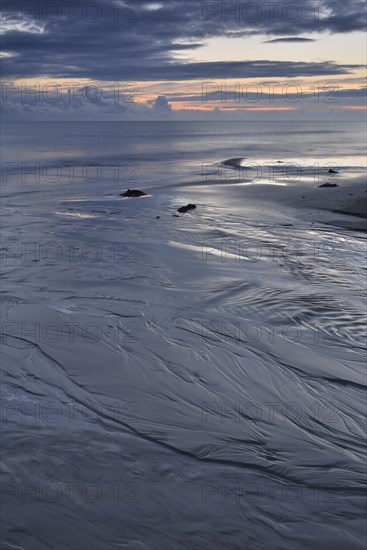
(184, 382)
(343, 206)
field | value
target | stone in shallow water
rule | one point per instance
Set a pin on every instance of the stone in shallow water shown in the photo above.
(329, 185)
(187, 208)
(133, 193)
(331, 171)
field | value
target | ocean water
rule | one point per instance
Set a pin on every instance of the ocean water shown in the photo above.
(193, 382)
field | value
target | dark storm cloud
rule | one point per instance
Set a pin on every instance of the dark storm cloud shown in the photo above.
(141, 40)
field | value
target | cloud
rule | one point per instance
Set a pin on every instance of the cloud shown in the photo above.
(290, 39)
(265, 93)
(91, 106)
(140, 40)
(131, 72)
(75, 103)
(161, 104)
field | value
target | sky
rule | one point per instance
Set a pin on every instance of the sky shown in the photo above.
(183, 59)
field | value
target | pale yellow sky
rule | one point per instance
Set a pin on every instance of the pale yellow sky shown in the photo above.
(350, 49)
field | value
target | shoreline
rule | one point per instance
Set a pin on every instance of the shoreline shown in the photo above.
(342, 206)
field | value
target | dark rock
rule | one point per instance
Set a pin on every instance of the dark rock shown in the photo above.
(158, 218)
(175, 216)
(331, 171)
(133, 193)
(327, 184)
(187, 208)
